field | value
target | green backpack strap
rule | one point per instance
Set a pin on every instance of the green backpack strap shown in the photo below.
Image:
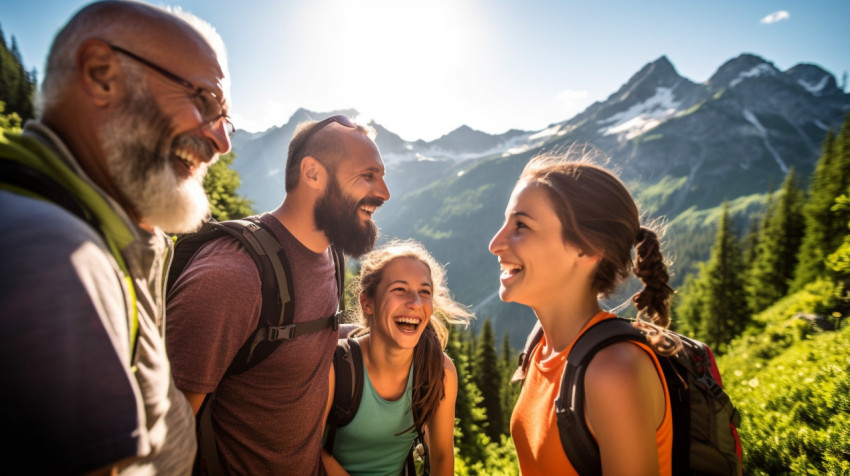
(28, 168)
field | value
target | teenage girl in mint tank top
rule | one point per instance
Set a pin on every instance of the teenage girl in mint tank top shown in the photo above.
(569, 232)
(403, 311)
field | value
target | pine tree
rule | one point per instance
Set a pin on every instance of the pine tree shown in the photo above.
(751, 240)
(724, 311)
(468, 412)
(510, 392)
(824, 227)
(17, 86)
(688, 304)
(489, 379)
(773, 264)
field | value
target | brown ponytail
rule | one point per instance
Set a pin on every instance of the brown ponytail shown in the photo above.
(598, 215)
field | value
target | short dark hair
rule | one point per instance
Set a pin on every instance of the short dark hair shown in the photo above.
(321, 145)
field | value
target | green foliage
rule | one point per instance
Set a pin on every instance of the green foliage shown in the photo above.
(510, 392)
(713, 306)
(476, 453)
(500, 460)
(11, 121)
(489, 379)
(774, 259)
(791, 383)
(839, 261)
(220, 184)
(691, 233)
(470, 439)
(825, 227)
(17, 86)
(653, 197)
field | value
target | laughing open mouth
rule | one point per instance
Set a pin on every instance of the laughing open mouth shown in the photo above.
(186, 158)
(408, 324)
(368, 209)
(509, 269)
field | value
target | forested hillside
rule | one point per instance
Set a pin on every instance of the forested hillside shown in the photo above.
(17, 86)
(772, 303)
(766, 280)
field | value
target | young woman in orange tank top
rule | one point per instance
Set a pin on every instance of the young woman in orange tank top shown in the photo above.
(570, 228)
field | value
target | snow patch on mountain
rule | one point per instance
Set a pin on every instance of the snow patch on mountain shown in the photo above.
(752, 119)
(763, 69)
(643, 116)
(814, 88)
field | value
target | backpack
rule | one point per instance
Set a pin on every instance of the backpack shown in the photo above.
(275, 324)
(38, 175)
(348, 369)
(705, 437)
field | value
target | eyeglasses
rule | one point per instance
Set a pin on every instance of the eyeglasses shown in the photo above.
(341, 120)
(206, 101)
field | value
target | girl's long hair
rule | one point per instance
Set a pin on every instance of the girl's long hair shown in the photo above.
(428, 371)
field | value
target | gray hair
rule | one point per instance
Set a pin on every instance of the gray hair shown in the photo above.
(104, 17)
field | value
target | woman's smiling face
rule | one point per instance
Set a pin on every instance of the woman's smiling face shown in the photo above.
(536, 262)
(402, 305)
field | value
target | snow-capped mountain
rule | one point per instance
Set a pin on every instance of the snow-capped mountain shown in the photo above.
(680, 145)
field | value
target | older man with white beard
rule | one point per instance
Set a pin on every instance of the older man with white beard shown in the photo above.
(133, 109)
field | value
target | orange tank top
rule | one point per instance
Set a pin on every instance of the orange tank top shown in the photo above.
(534, 426)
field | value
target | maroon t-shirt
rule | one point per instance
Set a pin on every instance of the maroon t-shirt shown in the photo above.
(268, 419)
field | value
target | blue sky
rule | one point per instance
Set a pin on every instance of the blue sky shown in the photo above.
(423, 68)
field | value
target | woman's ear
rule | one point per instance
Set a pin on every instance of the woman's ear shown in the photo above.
(589, 258)
(367, 304)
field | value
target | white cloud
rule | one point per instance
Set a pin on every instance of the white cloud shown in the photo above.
(776, 17)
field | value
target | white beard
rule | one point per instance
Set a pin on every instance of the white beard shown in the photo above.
(140, 165)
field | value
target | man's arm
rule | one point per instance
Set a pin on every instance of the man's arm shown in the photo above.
(195, 400)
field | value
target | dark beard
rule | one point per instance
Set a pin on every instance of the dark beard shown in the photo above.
(338, 217)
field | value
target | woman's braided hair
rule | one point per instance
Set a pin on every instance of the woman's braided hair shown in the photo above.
(599, 216)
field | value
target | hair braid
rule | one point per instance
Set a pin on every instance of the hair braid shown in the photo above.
(650, 268)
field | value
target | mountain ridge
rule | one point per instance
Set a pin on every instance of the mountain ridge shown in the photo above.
(680, 146)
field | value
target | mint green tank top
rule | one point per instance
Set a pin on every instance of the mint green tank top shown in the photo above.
(371, 444)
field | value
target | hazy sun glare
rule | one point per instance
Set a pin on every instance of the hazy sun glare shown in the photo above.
(388, 58)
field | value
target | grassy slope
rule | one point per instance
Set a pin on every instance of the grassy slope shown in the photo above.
(791, 382)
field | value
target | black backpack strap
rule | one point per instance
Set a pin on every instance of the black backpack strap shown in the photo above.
(207, 449)
(339, 269)
(530, 343)
(409, 468)
(348, 387)
(578, 442)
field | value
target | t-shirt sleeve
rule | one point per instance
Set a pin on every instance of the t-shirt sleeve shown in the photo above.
(212, 309)
(69, 401)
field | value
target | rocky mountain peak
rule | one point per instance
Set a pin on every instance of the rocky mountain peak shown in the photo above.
(815, 79)
(659, 73)
(742, 67)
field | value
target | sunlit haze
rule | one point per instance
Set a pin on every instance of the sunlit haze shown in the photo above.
(424, 68)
